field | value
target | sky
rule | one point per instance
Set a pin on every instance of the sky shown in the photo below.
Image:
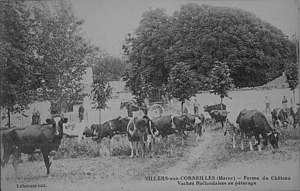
(107, 22)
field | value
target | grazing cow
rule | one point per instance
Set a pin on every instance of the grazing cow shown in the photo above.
(140, 130)
(196, 122)
(109, 129)
(280, 117)
(219, 116)
(46, 137)
(253, 122)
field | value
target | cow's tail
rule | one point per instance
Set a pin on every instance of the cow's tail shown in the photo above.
(134, 127)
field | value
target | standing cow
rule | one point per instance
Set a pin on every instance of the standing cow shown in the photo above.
(140, 130)
(196, 124)
(217, 112)
(46, 137)
(109, 129)
(253, 122)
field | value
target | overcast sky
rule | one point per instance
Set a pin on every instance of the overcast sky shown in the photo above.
(107, 22)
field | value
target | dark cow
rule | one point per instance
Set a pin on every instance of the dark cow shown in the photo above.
(169, 124)
(216, 115)
(108, 129)
(132, 106)
(140, 130)
(209, 108)
(219, 116)
(46, 137)
(196, 123)
(253, 122)
(280, 117)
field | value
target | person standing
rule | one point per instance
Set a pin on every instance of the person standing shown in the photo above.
(36, 117)
(284, 103)
(196, 107)
(81, 112)
(267, 102)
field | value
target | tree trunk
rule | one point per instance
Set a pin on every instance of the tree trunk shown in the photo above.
(182, 107)
(0, 116)
(221, 102)
(294, 101)
(8, 115)
(99, 116)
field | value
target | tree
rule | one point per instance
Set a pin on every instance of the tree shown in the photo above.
(220, 81)
(101, 93)
(18, 79)
(292, 78)
(112, 67)
(182, 83)
(200, 35)
(145, 51)
(62, 51)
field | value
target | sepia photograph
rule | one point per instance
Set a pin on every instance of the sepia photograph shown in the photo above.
(149, 95)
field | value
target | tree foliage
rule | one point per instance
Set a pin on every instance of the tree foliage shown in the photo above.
(112, 67)
(145, 51)
(291, 75)
(182, 82)
(62, 52)
(220, 81)
(101, 91)
(17, 75)
(43, 54)
(200, 35)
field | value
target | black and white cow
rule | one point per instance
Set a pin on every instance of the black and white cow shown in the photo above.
(196, 124)
(253, 122)
(140, 130)
(279, 117)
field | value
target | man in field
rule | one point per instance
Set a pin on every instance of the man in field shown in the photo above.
(267, 102)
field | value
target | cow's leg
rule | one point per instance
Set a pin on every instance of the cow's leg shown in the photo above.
(6, 154)
(233, 141)
(47, 163)
(137, 149)
(250, 144)
(258, 142)
(143, 149)
(109, 146)
(132, 149)
(242, 141)
(259, 147)
(16, 158)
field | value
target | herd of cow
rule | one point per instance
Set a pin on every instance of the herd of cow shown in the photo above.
(142, 130)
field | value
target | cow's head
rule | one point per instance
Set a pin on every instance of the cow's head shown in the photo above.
(95, 131)
(273, 138)
(57, 123)
(151, 127)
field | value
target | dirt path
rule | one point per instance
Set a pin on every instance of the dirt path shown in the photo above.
(182, 167)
